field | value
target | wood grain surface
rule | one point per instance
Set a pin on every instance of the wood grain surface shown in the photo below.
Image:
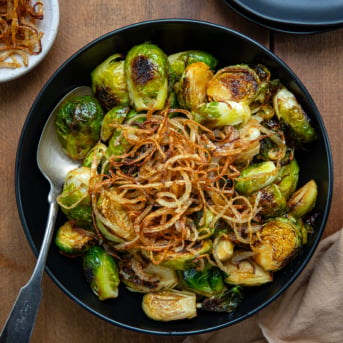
(316, 59)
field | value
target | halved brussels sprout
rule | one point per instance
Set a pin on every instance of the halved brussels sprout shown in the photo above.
(250, 136)
(214, 114)
(72, 240)
(287, 179)
(146, 277)
(97, 154)
(245, 271)
(238, 83)
(78, 124)
(74, 200)
(288, 109)
(169, 305)
(303, 200)
(255, 177)
(116, 115)
(224, 302)
(180, 60)
(276, 243)
(206, 282)
(180, 260)
(191, 89)
(271, 201)
(146, 70)
(223, 248)
(101, 273)
(112, 219)
(109, 83)
(117, 144)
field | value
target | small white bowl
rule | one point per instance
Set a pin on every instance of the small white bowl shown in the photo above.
(49, 25)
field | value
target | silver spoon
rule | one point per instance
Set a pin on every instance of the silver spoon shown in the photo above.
(54, 165)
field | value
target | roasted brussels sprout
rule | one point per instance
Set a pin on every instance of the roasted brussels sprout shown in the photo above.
(244, 271)
(169, 305)
(271, 201)
(255, 177)
(223, 248)
(112, 220)
(78, 124)
(277, 242)
(109, 83)
(180, 60)
(303, 200)
(117, 144)
(213, 114)
(191, 89)
(224, 302)
(96, 154)
(180, 260)
(207, 281)
(250, 136)
(235, 83)
(101, 273)
(139, 276)
(114, 116)
(146, 70)
(74, 200)
(288, 109)
(287, 178)
(72, 240)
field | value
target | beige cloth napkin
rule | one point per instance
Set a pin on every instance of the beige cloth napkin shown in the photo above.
(310, 311)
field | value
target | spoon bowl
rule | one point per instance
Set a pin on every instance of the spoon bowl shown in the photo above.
(54, 164)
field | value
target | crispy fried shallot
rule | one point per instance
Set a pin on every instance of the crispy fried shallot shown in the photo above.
(19, 34)
(174, 168)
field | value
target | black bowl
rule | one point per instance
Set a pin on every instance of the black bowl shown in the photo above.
(32, 188)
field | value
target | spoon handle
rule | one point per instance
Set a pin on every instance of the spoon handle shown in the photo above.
(19, 325)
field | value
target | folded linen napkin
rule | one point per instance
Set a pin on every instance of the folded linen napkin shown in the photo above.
(310, 311)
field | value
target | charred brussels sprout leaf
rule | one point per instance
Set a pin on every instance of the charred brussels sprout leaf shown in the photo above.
(109, 83)
(169, 305)
(225, 302)
(72, 240)
(101, 273)
(278, 241)
(78, 124)
(288, 109)
(74, 200)
(255, 177)
(146, 70)
(206, 282)
(180, 60)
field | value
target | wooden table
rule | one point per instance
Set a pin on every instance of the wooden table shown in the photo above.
(316, 59)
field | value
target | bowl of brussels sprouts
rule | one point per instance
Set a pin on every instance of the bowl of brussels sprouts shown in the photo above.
(204, 184)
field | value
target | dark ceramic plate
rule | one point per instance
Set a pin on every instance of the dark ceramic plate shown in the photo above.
(292, 16)
(32, 188)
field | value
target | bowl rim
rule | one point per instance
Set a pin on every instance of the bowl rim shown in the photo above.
(304, 261)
